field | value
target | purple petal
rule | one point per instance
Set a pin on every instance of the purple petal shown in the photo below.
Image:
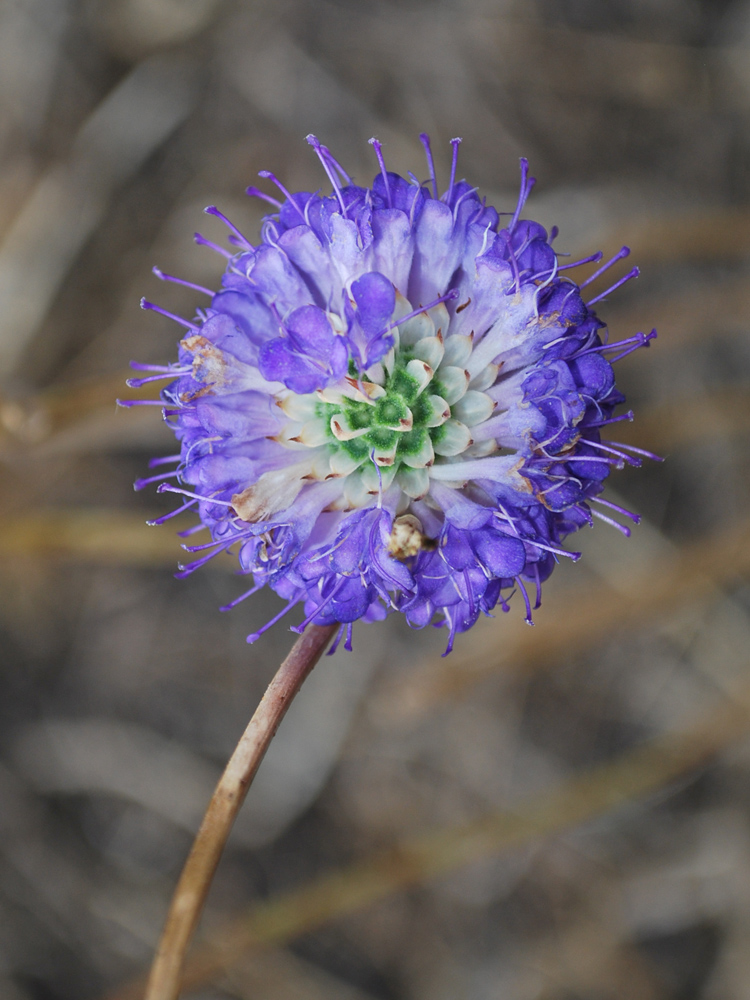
(308, 356)
(376, 299)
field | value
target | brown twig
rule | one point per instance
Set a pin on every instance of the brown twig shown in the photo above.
(192, 889)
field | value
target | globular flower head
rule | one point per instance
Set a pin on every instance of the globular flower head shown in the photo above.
(394, 401)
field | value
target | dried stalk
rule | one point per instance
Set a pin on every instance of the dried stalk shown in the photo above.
(195, 881)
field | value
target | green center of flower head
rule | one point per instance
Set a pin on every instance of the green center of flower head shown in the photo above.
(403, 414)
(398, 426)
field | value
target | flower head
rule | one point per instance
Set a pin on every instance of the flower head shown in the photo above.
(394, 402)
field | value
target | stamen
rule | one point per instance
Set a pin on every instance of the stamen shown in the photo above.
(639, 340)
(139, 367)
(346, 178)
(502, 515)
(593, 458)
(610, 520)
(335, 644)
(644, 342)
(203, 242)
(166, 488)
(299, 629)
(638, 451)
(527, 183)
(612, 451)
(171, 514)
(136, 383)
(636, 518)
(558, 481)
(542, 286)
(455, 143)
(213, 210)
(425, 140)
(584, 510)
(513, 264)
(346, 629)
(485, 234)
(207, 545)
(451, 632)
(139, 402)
(145, 304)
(538, 585)
(201, 441)
(139, 484)
(526, 242)
(309, 202)
(319, 149)
(566, 267)
(269, 234)
(376, 145)
(189, 532)
(503, 604)
(620, 255)
(469, 591)
(380, 479)
(413, 205)
(154, 462)
(452, 294)
(573, 289)
(631, 274)
(242, 597)
(180, 281)
(575, 556)
(466, 194)
(613, 420)
(289, 197)
(526, 601)
(476, 214)
(593, 259)
(186, 571)
(256, 192)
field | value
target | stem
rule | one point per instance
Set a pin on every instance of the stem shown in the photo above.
(195, 881)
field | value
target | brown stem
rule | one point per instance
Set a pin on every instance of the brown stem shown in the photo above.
(192, 889)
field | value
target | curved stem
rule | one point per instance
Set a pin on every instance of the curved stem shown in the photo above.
(195, 881)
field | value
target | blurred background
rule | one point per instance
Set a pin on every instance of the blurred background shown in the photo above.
(608, 748)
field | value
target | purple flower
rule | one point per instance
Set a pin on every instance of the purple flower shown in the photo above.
(394, 402)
